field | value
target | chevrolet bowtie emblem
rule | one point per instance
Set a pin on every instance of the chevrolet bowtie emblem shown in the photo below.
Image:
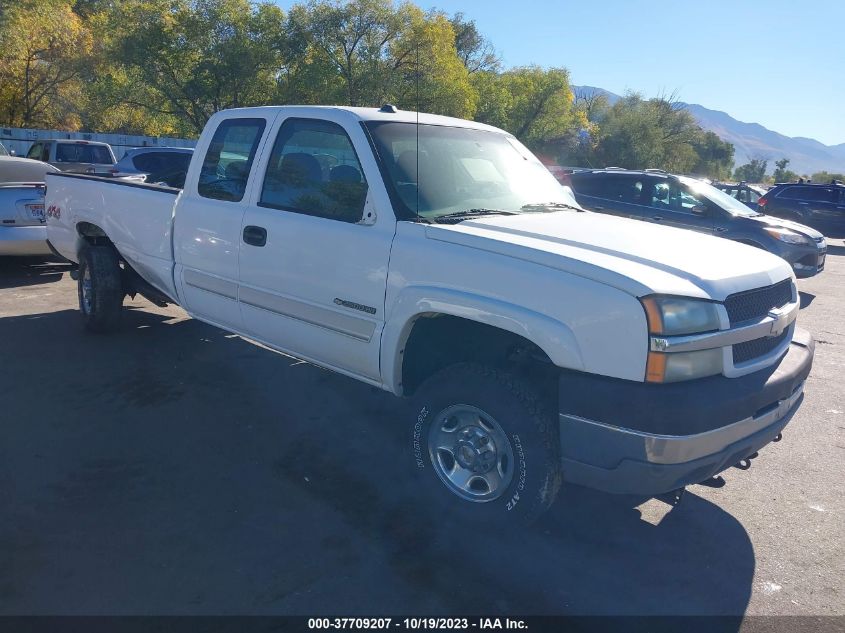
(780, 322)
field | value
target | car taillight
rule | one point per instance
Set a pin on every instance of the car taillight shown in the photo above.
(762, 202)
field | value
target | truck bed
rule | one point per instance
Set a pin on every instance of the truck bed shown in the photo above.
(137, 217)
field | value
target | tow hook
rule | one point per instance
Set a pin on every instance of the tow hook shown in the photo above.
(745, 464)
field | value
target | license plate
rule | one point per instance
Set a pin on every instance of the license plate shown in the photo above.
(821, 261)
(36, 211)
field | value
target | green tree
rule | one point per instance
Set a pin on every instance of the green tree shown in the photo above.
(535, 105)
(754, 171)
(190, 58)
(781, 173)
(366, 53)
(656, 133)
(826, 176)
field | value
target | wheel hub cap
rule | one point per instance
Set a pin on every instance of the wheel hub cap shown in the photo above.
(470, 453)
(474, 451)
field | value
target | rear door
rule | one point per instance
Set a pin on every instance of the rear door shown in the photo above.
(207, 232)
(314, 253)
(672, 203)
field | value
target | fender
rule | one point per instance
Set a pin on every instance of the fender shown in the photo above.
(553, 337)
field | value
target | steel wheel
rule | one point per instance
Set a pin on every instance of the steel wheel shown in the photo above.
(471, 453)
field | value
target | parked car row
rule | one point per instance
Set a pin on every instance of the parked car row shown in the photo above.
(22, 232)
(690, 203)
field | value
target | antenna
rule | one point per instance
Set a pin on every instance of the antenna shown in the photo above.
(417, 77)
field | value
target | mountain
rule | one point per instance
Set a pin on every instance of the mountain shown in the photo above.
(752, 140)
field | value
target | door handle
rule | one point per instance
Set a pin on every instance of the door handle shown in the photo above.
(597, 208)
(804, 203)
(657, 217)
(255, 235)
(721, 229)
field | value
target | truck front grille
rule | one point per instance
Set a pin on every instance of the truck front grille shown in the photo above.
(755, 304)
(744, 352)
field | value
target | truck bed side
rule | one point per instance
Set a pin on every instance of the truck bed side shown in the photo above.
(137, 218)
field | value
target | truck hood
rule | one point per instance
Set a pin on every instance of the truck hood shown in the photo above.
(635, 256)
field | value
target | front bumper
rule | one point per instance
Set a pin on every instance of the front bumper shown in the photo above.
(647, 439)
(23, 240)
(806, 261)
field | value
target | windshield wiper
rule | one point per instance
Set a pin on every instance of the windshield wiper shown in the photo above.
(549, 206)
(470, 213)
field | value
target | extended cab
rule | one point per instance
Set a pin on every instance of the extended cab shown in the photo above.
(437, 258)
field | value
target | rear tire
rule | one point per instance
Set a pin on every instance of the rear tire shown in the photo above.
(485, 448)
(100, 288)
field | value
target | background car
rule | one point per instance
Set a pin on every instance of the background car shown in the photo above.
(746, 193)
(80, 157)
(689, 203)
(22, 229)
(167, 165)
(816, 205)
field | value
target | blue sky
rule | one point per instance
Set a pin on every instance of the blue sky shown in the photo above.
(773, 62)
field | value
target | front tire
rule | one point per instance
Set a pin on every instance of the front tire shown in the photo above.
(484, 446)
(100, 288)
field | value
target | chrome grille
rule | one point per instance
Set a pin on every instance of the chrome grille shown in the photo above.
(743, 352)
(755, 304)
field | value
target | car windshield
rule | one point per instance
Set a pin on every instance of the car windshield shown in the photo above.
(718, 197)
(79, 153)
(463, 170)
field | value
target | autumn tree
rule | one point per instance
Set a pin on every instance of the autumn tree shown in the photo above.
(43, 50)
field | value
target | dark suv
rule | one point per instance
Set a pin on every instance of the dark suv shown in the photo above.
(819, 206)
(742, 191)
(689, 203)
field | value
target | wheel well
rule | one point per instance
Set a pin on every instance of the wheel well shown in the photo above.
(92, 234)
(439, 340)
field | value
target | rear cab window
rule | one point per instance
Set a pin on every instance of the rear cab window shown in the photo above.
(228, 161)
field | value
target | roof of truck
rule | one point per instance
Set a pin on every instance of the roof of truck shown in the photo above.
(374, 114)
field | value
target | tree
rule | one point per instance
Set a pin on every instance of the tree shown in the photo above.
(43, 48)
(190, 58)
(826, 177)
(781, 173)
(535, 105)
(474, 50)
(656, 133)
(755, 171)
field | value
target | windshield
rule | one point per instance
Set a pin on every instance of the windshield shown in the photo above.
(718, 197)
(461, 169)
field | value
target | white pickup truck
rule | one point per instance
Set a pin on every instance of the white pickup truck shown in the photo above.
(437, 258)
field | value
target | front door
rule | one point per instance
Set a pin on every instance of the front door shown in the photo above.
(314, 252)
(673, 204)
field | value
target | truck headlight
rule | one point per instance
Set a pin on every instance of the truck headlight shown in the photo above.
(671, 316)
(676, 316)
(790, 237)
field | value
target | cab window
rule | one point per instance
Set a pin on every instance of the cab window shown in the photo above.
(227, 163)
(314, 170)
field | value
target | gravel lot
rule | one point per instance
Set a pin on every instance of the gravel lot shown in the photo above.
(173, 468)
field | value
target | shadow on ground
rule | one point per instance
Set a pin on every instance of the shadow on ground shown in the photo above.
(29, 271)
(173, 468)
